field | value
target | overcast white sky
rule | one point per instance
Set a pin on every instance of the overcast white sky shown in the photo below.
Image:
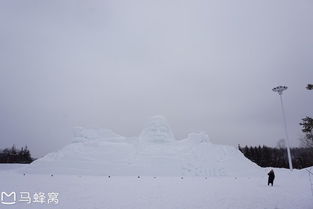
(205, 65)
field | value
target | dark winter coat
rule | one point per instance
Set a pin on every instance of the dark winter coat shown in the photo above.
(271, 177)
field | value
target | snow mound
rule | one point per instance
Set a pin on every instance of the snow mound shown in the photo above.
(155, 152)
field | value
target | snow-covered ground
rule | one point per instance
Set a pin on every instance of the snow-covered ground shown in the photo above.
(11, 166)
(290, 191)
(102, 170)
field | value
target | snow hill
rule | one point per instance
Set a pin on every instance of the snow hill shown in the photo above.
(156, 152)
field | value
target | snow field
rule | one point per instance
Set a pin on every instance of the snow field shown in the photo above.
(290, 191)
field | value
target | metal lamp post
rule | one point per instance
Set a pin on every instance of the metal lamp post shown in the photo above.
(279, 90)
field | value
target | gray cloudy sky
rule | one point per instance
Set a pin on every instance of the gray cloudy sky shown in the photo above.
(205, 65)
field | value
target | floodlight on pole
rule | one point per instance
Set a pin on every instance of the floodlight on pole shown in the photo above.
(279, 90)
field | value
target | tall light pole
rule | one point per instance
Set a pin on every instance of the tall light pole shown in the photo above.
(279, 90)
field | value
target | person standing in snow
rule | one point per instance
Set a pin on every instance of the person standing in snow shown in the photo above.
(271, 177)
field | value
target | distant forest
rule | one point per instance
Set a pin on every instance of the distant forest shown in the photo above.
(15, 155)
(277, 157)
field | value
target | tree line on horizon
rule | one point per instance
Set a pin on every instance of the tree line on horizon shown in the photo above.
(15, 155)
(302, 157)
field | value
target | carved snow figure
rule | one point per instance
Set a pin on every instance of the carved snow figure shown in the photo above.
(157, 130)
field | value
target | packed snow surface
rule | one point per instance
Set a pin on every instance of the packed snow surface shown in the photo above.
(156, 152)
(291, 190)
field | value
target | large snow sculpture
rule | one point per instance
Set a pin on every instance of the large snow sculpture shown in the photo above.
(157, 130)
(155, 153)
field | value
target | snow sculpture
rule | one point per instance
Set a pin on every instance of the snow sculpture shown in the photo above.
(157, 130)
(200, 137)
(86, 134)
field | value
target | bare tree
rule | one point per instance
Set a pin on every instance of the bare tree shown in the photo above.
(307, 127)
